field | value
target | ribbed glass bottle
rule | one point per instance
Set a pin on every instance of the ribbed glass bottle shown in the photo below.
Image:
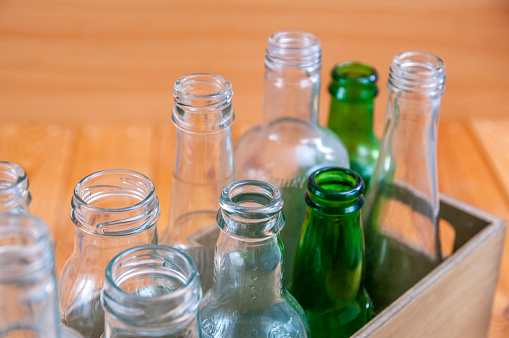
(248, 297)
(353, 89)
(14, 194)
(288, 144)
(329, 267)
(203, 166)
(401, 213)
(113, 210)
(151, 291)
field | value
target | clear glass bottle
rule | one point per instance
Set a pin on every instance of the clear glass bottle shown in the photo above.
(14, 194)
(248, 297)
(151, 291)
(28, 287)
(113, 210)
(203, 115)
(329, 267)
(288, 145)
(401, 212)
(353, 90)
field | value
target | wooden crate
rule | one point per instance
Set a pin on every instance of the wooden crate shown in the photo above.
(455, 299)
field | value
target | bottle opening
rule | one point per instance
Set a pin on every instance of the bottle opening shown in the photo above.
(115, 202)
(293, 49)
(26, 249)
(13, 187)
(417, 72)
(354, 72)
(151, 285)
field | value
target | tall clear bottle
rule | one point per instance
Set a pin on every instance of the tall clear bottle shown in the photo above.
(288, 145)
(14, 194)
(28, 287)
(151, 291)
(401, 212)
(203, 166)
(248, 297)
(353, 89)
(113, 210)
(329, 267)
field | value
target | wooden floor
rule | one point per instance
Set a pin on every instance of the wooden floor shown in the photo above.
(86, 85)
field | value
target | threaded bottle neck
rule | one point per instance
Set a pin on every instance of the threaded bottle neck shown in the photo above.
(14, 194)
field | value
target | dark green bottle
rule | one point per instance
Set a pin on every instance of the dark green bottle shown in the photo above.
(353, 90)
(328, 278)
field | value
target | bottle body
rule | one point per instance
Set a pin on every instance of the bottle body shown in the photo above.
(113, 210)
(28, 288)
(353, 90)
(248, 297)
(401, 213)
(203, 166)
(151, 291)
(14, 194)
(289, 144)
(329, 267)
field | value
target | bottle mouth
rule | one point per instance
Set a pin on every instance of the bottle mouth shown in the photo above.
(203, 103)
(152, 286)
(335, 190)
(13, 187)
(251, 209)
(417, 72)
(26, 248)
(115, 203)
(293, 49)
(353, 81)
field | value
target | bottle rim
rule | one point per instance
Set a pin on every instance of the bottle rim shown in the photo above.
(353, 72)
(335, 190)
(293, 49)
(417, 72)
(13, 186)
(126, 183)
(26, 248)
(179, 304)
(251, 209)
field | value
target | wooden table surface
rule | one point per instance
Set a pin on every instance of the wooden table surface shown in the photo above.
(86, 85)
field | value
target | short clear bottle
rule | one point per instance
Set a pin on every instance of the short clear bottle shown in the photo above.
(113, 210)
(151, 291)
(248, 297)
(14, 194)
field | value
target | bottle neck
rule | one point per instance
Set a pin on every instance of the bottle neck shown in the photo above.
(14, 194)
(351, 117)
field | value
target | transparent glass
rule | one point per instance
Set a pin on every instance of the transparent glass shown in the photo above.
(401, 213)
(288, 144)
(353, 90)
(203, 166)
(151, 291)
(14, 194)
(329, 267)
(113, 210)
(248, 297)
(28, 287)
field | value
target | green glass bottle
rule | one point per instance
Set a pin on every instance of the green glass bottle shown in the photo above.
(329, 266)
(353, 90)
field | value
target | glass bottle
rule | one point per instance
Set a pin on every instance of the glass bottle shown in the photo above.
(113, 210)
(401, 213)
(151, 291)
(329, 267)
(248, 297)
(14, 194)
(288, 144)
(203, 114)
(28, 287)
(353, 89)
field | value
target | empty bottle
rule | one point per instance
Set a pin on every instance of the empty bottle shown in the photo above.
(353, 90)
(329, 267)
(113, 210)
(248, 297)
(203, 166)
(151, 291)
(14, 194)
(401, 213)
(288, 145)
